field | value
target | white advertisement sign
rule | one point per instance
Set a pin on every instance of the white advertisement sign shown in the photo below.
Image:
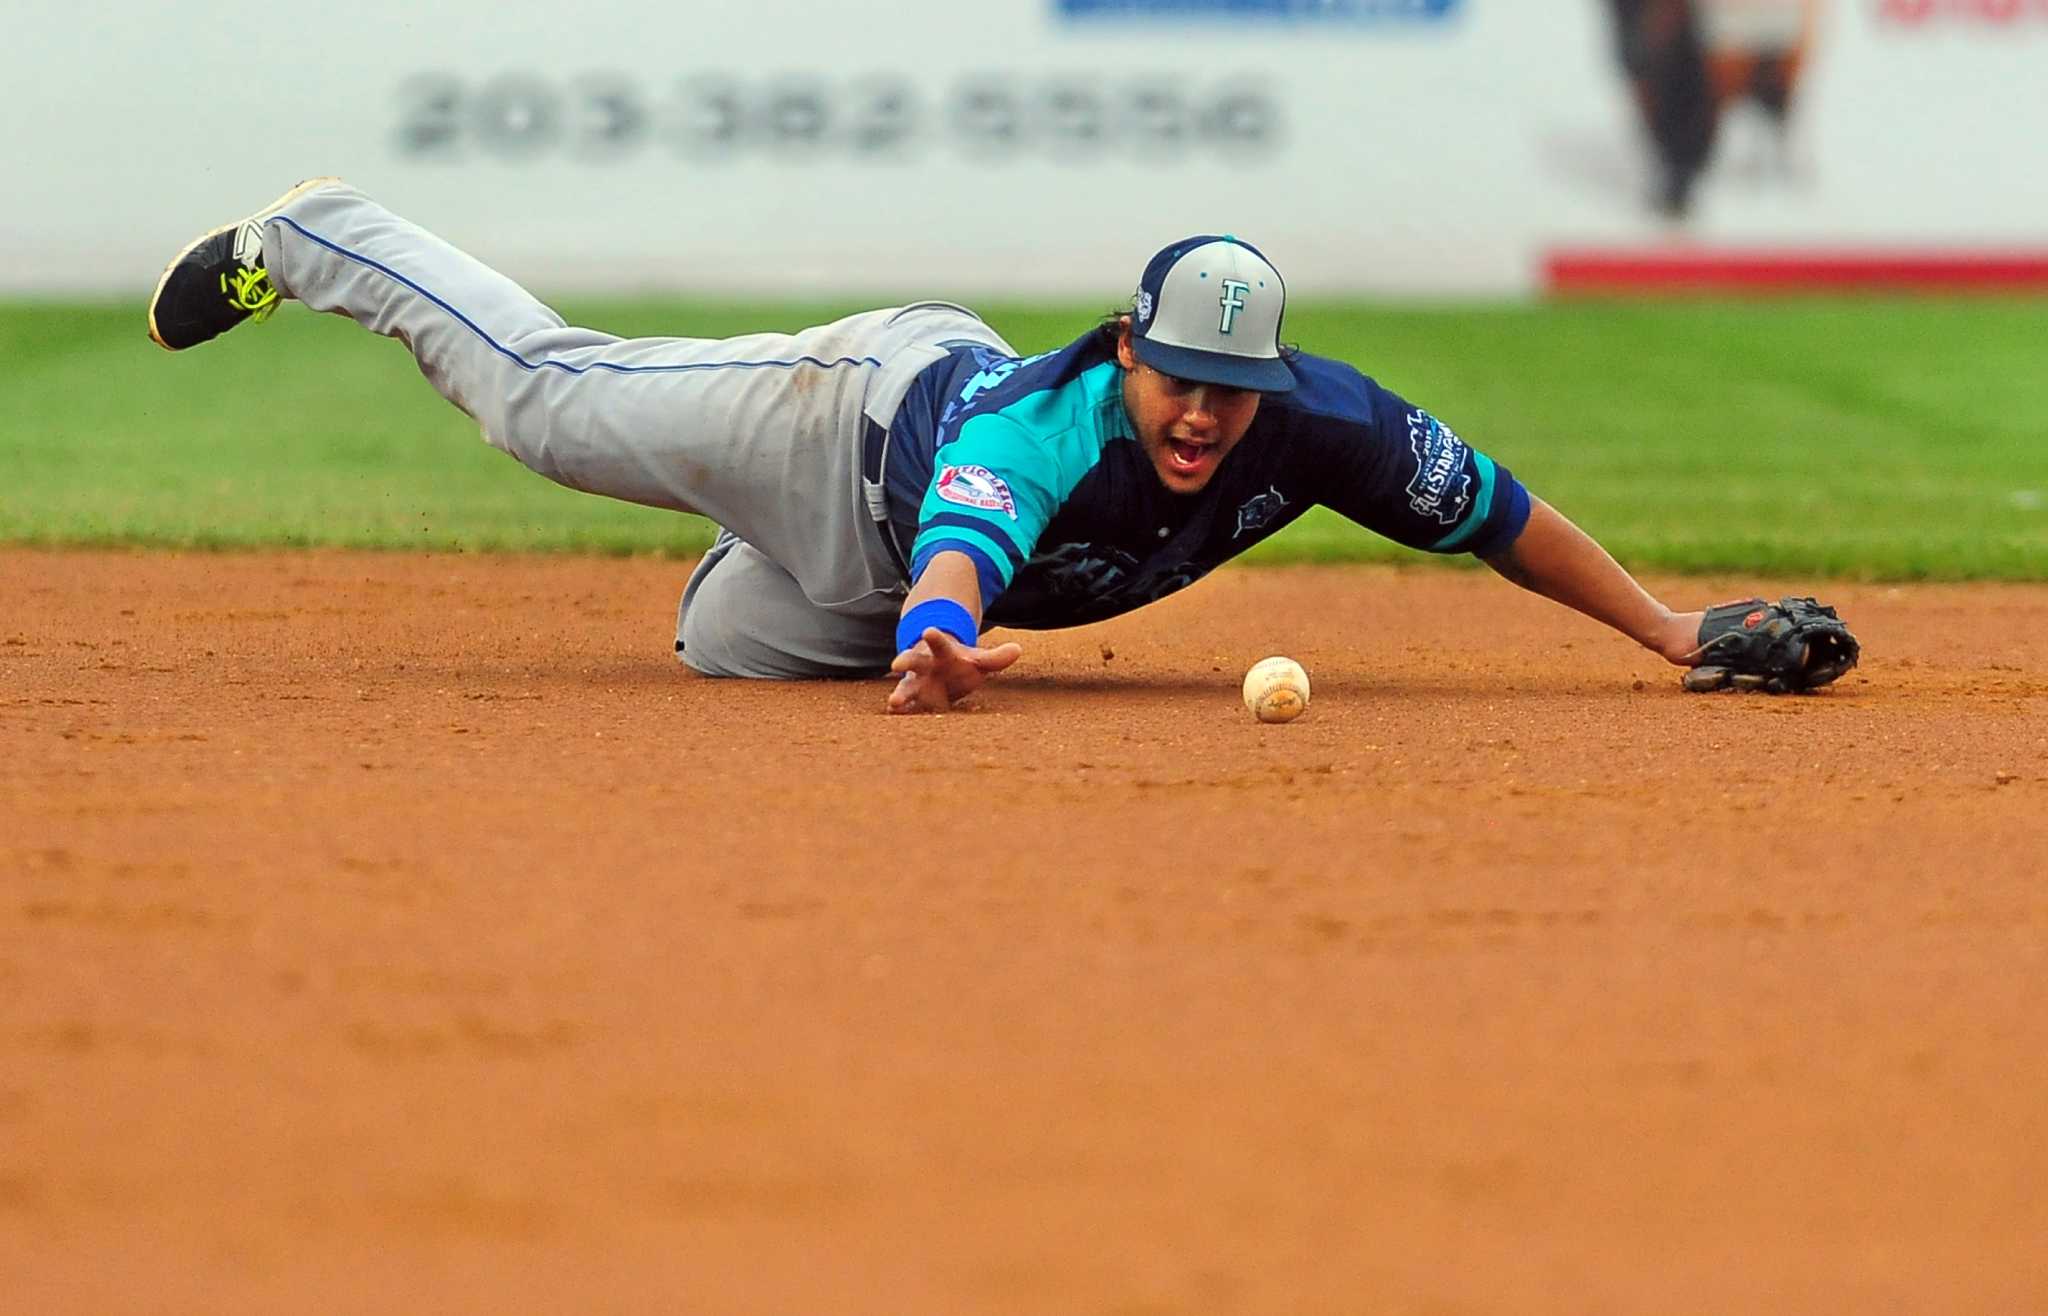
(1034, 148)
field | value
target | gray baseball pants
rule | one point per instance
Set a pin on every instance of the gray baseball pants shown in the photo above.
(761, 433)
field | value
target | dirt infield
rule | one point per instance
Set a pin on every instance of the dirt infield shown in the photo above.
(412, 934)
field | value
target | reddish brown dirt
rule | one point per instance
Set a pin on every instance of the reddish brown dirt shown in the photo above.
(411, 934)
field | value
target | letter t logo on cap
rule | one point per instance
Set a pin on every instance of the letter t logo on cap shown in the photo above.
(1237, 344)
(1233, 301)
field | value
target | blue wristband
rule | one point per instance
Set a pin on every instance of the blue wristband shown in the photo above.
(941, 614)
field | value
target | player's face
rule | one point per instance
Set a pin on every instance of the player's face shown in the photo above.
(1185, 428)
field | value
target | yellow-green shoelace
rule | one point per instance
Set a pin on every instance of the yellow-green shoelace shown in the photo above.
(252, 291)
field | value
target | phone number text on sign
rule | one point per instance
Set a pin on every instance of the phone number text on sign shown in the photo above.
(996, 116)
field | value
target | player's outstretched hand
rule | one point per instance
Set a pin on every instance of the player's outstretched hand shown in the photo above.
(938, 670)
(1787, 647)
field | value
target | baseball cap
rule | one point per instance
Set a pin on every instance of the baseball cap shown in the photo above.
(1208, 309)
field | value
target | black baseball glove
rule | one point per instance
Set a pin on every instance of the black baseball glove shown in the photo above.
(1783, 647)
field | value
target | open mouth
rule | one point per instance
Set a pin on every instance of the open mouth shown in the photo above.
(1184, 455)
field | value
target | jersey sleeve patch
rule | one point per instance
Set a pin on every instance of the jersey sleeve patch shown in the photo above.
(976, 486)
(1441, 487)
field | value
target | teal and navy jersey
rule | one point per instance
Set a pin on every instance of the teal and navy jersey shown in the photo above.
(1030, 468)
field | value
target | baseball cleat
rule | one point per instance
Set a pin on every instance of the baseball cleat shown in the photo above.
(217, 281)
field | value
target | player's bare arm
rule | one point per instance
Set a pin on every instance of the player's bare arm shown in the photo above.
(1556, 559)
(939, 668)
(1794, 645)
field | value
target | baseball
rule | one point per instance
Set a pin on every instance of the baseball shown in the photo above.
(1276, 689)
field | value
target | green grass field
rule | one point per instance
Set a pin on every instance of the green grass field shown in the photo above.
(1866, 438)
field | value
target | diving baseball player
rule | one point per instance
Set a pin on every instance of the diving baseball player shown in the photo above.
(893, 483)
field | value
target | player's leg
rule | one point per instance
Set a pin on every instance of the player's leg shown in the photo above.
(760, 433)
(743, 615)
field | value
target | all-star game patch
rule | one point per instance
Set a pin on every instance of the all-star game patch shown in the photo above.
(1441, 487)
(977, 486)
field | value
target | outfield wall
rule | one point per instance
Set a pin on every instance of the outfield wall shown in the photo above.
(1031, 147)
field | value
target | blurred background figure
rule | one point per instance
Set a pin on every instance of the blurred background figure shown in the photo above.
(1692, 64)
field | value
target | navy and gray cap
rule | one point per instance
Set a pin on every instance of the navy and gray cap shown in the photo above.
(1208, 309)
